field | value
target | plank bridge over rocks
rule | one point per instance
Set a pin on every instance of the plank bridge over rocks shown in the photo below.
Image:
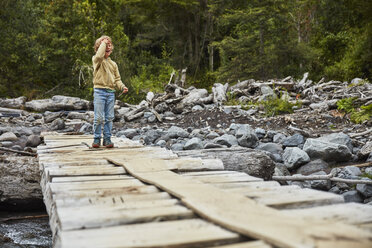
(137, 196)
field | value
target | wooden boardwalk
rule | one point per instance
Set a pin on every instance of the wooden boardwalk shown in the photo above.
(136, 196)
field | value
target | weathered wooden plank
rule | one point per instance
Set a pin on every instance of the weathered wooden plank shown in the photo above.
(130, 190)
(84, 171)
(269, 225)
(197, 164)
(90, 178)
(151, 164)
(115, 199)
(250, 244)
(295, 198)
(181, 233)
(234, 185)
(97, 216)
(97, 185)
(226, 178)
(245, 186)
(203, 173)
(352, 213)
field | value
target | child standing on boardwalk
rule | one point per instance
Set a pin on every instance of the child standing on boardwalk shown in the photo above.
(106, 79)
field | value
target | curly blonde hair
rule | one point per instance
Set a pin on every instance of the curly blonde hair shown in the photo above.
(99, 40)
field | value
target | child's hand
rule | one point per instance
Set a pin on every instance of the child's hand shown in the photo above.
(125, 90)
(107, 41)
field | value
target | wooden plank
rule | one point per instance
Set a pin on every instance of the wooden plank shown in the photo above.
(245, 186)
(295, 198)
(226, 178)
(97, 185)
(196, 164)
(269, 225)
(181, 233)
(84, 171)
(115, 199)
(233, 185)
(352, 213)
(203, 173)
(97, 216)
(90, 178)
(150, 164)
(130, 190)
(250, 244)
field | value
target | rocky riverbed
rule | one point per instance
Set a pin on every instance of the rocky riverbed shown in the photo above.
(232, 123)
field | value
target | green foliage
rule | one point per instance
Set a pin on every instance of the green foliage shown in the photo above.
(358, 114)
(278, 106)
(152, 75)
(366, 175)
(47, 45)
(346, 104)
(362, 115)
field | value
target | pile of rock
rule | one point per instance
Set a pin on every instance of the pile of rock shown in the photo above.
(258, 149)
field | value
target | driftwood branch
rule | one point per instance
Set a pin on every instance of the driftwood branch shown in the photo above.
(353, 135)
(19, 152)
(321, 177)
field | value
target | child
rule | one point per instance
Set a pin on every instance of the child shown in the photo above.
(106, 79)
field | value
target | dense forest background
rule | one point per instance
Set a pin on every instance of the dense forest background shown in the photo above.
(46, 45)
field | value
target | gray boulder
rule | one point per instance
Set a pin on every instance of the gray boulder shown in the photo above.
(212, 135)
(313, 166)
(320, 184)
(20, 183)
(253, 162)
(267, 93)
(177, 147)
(175, 132)
(57, 124)
(279, 138)
(210, 145)
(193, 144)
(339, 138)
(281, 170)
(130, 133)
(246, 136)
(260, 132)
(8, 136)
(352, 196)
(365, 151)
(161, 143)
(33, 140)
(270, 147)
(226, 139)
(327, 151)
(23, 131)
(294, 157)
(350, 172)
(368, 171)
(365, 190)
(321, 106)
(151, 135)
(294, 140)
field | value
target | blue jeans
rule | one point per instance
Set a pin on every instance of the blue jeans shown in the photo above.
(104, 102)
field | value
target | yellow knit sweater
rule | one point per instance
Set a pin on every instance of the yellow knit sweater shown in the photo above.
(106, 73)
